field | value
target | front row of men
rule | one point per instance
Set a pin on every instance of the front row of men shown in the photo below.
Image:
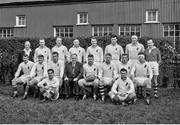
(122, 79)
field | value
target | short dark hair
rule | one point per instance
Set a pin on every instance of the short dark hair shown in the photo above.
(113, 36)
(90, 55)
(55, 53)
(93, 37)
(108, 54)
(25, 55)
(40, 56)
(123, 70)
(50, 70)
(125, 54)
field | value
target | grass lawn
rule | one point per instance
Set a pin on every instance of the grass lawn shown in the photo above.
(164, 110)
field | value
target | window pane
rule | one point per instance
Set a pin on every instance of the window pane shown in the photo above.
(121, 28)
(177, 27)
(127, 28)
(177, 33)
(171, 33)
(171, 27)
(137, 28)
(132, 28)
(138, 34)
(165, 33)
(166, 27)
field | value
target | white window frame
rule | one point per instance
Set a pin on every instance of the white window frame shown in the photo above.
(78, 18)
(98, 32)
(169, 30)
(6, 35)
(55, 32)
(152, 21)
(129, 29)
(23, 22)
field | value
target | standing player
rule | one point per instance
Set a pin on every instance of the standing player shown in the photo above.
(133, 49)
(42, 50)
(107, 75)
(24, 67)
(115, 50)
(153, 56)
(124, 64)
(79, 51)
(61, 49)
(96, 51)
(142, 74)
(38, 73)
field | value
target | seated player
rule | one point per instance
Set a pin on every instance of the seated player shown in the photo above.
(124, 64)
(49, 87)
(38, 73)
(123, 90)
(90, 77)
(142, 74)
(24, 67)
(57, 66)
(107, 75)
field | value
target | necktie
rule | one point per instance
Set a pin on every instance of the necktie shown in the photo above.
(73, 67)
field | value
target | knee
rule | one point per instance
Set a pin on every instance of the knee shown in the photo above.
(81, 82)
(111, 94)
(148, 83)
(132, 95)
(96, 82)
(14, 82)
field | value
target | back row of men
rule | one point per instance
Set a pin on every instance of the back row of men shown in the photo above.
(123, 72)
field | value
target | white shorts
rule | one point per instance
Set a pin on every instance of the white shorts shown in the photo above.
(142, 81)
(155, 67)
(25, 78)
(107, 81)
(38, 78)
(82, 82)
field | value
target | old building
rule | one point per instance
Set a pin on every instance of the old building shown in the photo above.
(71, 18)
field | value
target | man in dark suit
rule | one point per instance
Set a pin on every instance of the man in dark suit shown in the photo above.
(27, 50)
(72, 73)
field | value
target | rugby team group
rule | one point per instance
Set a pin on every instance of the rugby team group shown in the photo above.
(114, 73)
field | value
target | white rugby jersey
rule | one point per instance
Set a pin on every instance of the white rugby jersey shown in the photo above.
(80, 53)
(108, 70)
(42, 51)
(58, 68)
(115, 50)
(133, 50)
(39, 70)
(62, 51)
(25, 68)
(97, 52)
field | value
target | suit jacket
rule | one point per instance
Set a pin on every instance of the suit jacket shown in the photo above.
(78, 71)
(20, 56)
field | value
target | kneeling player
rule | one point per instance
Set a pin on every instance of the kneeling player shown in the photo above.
(123, 90)
(90, 77)
(107, 75)
(25, 67)
(38, 73)
(49, 87)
